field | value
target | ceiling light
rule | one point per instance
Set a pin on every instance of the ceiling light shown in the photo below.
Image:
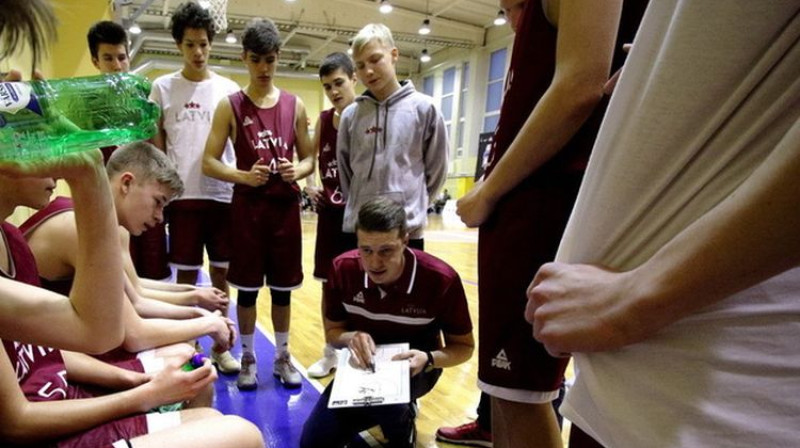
(425, 28)
(500, 20)
(425, 57)
(230, 37)
(350, 51)
(205, 4)
(134, 28)
(385, 7)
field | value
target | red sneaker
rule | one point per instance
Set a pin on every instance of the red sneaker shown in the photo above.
(468, 434)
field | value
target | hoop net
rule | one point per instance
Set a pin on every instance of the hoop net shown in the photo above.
(218, 10)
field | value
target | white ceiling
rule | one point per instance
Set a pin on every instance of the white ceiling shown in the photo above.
(313, 28)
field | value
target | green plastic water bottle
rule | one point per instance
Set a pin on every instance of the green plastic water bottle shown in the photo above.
(50, 118)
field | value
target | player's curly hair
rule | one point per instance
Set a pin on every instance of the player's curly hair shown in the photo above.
(191, 15)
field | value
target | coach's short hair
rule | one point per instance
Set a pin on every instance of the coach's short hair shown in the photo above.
(382, 214)
(147, 163)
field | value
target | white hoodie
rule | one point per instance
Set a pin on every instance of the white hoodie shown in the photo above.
(396, 148)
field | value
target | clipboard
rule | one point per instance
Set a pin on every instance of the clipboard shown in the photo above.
(357, 387)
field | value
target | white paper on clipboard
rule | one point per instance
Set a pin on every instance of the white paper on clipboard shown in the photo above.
(357, 387)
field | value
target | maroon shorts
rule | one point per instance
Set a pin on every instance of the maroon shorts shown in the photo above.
(522, 233)
(331, 241)
(266, 241)
(195, 224)
(123, 359)
(106, 434)
(149, 253)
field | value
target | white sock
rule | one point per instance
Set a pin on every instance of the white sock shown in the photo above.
(247, 343)
(329, 351)
(281, 343)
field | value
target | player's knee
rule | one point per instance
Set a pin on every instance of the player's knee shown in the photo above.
(247, 299)
(246, 433)
(281, 298)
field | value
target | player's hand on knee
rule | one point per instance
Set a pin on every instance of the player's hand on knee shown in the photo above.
(223, 332)
(212, 299)
(174, 385)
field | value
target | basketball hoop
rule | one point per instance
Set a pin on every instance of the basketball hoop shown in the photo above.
(218, 10)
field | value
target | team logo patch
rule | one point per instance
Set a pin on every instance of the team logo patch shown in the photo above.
(359, 298)
(501, 361)
(247, 121)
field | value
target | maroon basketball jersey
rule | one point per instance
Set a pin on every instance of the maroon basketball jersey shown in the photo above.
(328, 167)
(426, 300)
(40, 371)
(58, 205)
(266, 133)
(527, 82)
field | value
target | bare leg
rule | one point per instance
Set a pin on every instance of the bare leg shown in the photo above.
(204, 427)
(181, 349)
(219, 278)
(204, 399)
(247, 319)
(524, 425)
(187, 277)
(281, 318)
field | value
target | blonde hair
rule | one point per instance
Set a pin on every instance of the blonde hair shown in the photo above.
(373, 31)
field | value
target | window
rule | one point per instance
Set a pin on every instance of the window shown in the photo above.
(494, 89)
(462, 110)
(427, 85)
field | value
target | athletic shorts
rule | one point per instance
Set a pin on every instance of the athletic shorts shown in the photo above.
(331, 241)
(123, 359)
(105, 434)
(195, 224)
(149, 253)
(522, 233)
(266, 241)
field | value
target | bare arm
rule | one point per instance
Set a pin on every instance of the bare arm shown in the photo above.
(312, 190)
(159, 140)
(222, 127)
(581, 308)
(343, 150)
(29, 422)
(142, 334)
(586, 35)
(161, 299)
(91, 320)
(83, 368)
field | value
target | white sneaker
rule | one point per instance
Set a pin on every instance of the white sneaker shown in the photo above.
(284, 370)
(248, 375)
(225, 362)
(325, 366)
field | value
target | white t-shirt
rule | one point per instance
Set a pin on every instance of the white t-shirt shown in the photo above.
(709, 90)
(187, 109)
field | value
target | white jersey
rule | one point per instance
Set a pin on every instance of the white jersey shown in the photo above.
(187, 109)
(709, 90)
